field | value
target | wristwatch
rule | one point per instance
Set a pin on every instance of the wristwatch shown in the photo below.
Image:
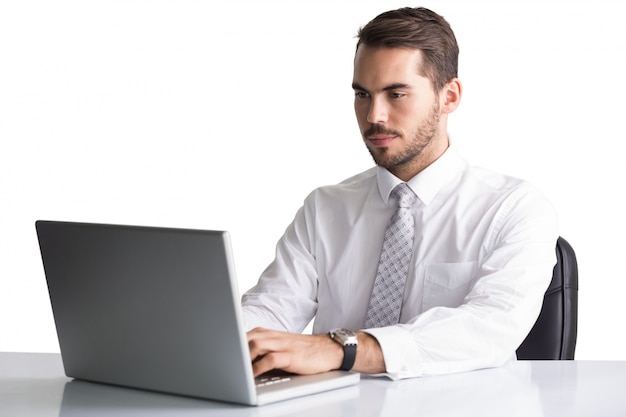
(349, 341)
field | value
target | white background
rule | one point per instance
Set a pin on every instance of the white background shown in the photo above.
(163, 112)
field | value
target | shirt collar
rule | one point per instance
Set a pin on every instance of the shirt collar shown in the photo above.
(428, 182)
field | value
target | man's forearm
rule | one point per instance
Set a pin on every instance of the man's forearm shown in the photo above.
(369, 355)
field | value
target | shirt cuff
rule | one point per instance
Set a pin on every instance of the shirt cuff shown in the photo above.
(399, 351)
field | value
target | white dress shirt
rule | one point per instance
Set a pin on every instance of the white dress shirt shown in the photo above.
(483, 255)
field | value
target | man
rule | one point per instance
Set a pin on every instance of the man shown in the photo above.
(477, 247)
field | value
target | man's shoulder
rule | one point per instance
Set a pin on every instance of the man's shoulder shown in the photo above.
(506, 191)
(358, 179)
(357, 184)
(497, 182)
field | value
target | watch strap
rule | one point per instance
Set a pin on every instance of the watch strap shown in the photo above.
(349, 356)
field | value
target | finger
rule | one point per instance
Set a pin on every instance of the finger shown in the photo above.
(255, 343)
(271, 361)
(269, 350)
(262, 342)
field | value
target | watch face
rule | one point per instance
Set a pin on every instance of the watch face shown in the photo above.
(344, 336)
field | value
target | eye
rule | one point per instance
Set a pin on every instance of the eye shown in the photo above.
(361, 94)
(397, 95)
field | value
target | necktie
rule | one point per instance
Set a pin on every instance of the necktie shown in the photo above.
(386, 298)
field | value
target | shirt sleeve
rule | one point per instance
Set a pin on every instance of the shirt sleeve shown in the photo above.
(500, 308)
(285, 297)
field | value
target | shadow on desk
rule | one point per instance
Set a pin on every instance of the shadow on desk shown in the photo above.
(509, 391)
(506, 391)
(82, 398)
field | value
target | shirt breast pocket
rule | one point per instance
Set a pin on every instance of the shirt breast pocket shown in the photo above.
(447, 284)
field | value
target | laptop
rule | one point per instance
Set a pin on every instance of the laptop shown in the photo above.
(158, 309)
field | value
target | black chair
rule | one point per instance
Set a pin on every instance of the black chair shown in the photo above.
(554, 334)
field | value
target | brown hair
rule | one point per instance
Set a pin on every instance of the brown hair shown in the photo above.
(417, 28)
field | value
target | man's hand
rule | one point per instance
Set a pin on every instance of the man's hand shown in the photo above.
(296, 353)
(309, 354)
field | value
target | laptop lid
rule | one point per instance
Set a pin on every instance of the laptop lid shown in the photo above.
(153, 308)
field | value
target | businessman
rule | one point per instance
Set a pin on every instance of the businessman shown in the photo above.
(421, 265)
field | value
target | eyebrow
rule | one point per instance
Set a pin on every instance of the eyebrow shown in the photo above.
(390, 87)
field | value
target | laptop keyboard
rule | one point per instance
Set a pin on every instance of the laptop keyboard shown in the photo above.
(271, 379)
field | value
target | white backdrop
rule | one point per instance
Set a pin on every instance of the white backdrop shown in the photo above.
(161, 112)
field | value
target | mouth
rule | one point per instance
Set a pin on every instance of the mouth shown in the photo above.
(381, 140)
(380, 137)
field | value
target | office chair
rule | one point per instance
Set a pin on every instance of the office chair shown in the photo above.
(554, 334)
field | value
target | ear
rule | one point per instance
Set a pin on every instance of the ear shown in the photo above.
(450, 96)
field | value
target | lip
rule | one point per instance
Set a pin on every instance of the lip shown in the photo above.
(381, 140)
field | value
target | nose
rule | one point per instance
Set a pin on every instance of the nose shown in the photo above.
(378, 112)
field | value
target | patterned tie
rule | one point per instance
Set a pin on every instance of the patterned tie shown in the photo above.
(386, 299)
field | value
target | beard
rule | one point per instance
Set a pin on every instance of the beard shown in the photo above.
(424, 136)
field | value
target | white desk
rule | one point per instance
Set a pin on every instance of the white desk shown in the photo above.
(34, 385)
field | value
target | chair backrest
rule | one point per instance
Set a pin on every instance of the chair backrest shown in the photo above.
(554, 334)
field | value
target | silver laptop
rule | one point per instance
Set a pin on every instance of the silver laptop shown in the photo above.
(157, 309)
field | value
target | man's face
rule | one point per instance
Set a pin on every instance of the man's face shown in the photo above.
(397, 110)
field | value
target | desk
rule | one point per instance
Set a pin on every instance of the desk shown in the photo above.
(34, 385)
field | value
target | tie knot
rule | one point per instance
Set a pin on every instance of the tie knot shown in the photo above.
(406, 197)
